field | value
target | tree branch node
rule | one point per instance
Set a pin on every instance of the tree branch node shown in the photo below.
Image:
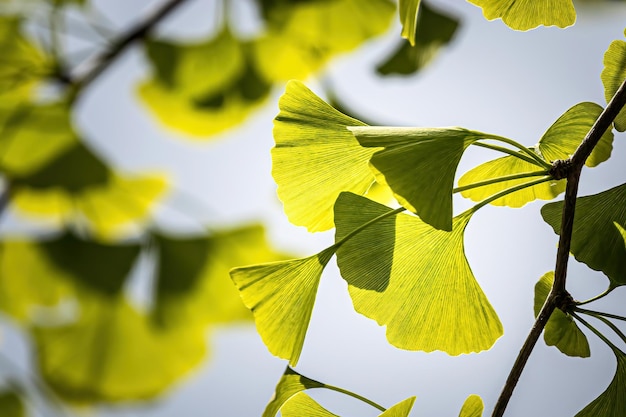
(560, 168)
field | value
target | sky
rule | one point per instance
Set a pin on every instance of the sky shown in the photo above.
(491, 79)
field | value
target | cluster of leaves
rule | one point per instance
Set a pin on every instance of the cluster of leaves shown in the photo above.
(408, 271)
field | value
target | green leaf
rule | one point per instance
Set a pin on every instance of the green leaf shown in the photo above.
(528, 14)
(612, 401)
(613, 75)
(204, 88)
(409, 10)
(402, 409)
(290, 384)
(621, 230)
(472, 407)
(11, 404)
(595, 239)
(301, 405)
(301, 37)
(315, 158)
(434, 30)
(281, 296)
(561, 330)
(414, 279)
(419, 165)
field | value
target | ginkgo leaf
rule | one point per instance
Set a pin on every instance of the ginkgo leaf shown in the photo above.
(281, 296)
(402, 409)
(409, 18)
(204, 88)
(290, 384)
(11, 404)
(472, 407)
(595, 239)
(414, 279)
(612, 401)
(301, 37)
(301, 405)
(561, 331)
(315, 158)
(528, 14)
(434, 30)
(621, 231)
(419, 165)
(613, 75)
(192, 282)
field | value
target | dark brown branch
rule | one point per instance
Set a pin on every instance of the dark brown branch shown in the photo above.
(558, 292)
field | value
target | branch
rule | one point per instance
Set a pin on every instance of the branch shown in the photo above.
(558, 295)
(93, 67)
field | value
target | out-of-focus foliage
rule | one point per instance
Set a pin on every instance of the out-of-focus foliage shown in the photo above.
(612, 75)
(11, 404)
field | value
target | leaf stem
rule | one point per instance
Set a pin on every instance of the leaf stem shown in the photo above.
(509, 191)
(522, 148)
(500, 179)
(597, 297)
(606, 322)
(357, 396)
(599, 313)
(367, 224)
(596, 332)
(507, 151)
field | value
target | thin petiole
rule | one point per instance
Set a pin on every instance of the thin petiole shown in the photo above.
(596, 332)
(522, 148)
(357, 396)
(507, 151)
(367, 224)
(509, 191)
(611, 326)
(500, 179)
(599, 313)
(597, 297)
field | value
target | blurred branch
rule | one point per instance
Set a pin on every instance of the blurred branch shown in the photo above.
(93, 67)
(559, 297)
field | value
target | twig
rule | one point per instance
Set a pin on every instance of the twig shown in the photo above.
(558, 293)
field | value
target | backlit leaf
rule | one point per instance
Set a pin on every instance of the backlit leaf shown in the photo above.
(612, 401)
(315, 158)
(613, 75)
(621, 230)
(409, 18)
(561, 330)
(419, 165)
(11, 404)
(402, 409)
(434, 30)
(595, 239)
(290, 384)
(414, 279)
(528, 14)
(301, 405)
(472, 407)
(281, 296)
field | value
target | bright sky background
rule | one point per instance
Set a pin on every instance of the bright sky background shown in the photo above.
(491, 79)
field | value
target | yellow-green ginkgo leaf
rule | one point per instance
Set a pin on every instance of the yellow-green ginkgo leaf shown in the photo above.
(528, 14)
(204, 88)
(402, 409)
(11, 404)
(301, 405)
(301, 38)
(472, 407)
(192, 281)
(414, 279)
(408, 17)
(419, 165)
(621, 231)
(114, 353)
(613, 75)
(595, 239)
(612, 401)
(315, 158)
(561, 330)
(281, 296)
(290, 384)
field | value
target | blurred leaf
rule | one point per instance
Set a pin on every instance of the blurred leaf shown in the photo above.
(595, 239)
(281, 296)
(561, 330)
(472, 407)
(419, 165)
(612, 401)
(528, 14)
(302, 37)
(613, 75)
(301, 405)
(396, 261)
(402, 409)
(204, 88)
(434, 30)
(290, 384)
(409, 18)
(193, 284)
(11, 404)
(315, 158)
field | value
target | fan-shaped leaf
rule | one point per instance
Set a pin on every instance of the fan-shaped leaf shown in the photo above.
(414, 279)
(561, 330)
(301, 405)
(472, 407)
(419, 165)
(528, 14)
(315, 158)
(290, 384)
(595, 239)
(613, 75)
(281, 296)
(11, 404)
(409, 10)
(402, 409)
(612, 401)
